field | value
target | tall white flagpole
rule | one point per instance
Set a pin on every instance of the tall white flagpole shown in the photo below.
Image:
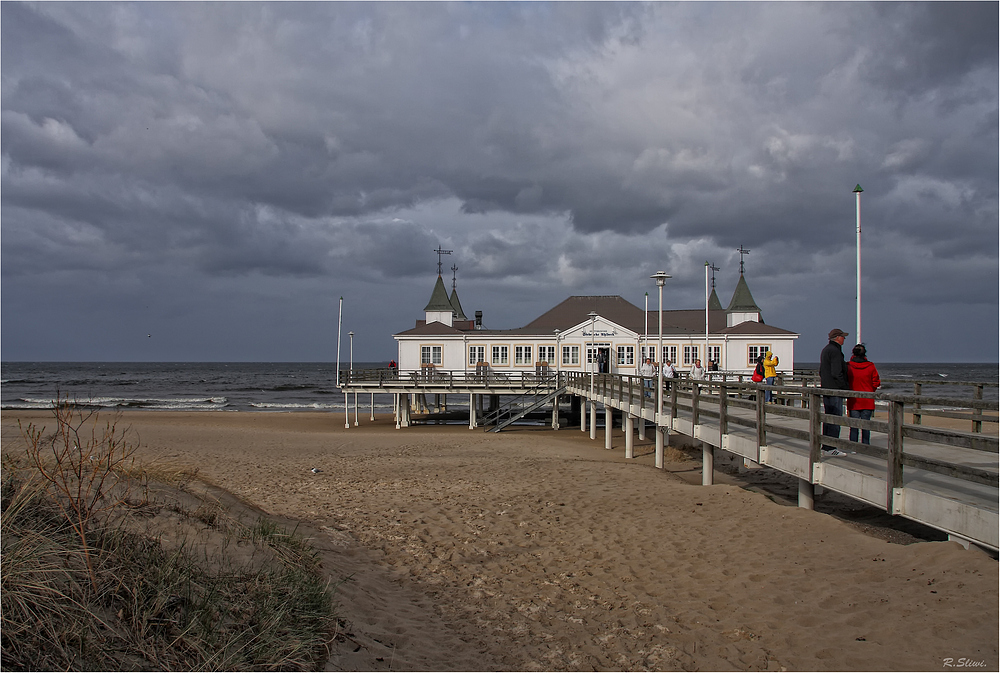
(646, 322)
(857, 192)
(340, 321)
(704, 360)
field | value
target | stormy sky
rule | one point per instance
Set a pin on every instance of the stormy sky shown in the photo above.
(202, 182)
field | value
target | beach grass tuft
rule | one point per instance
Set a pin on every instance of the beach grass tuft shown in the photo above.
(117, 581)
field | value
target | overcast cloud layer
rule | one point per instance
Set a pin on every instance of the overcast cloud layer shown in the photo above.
(192, 181)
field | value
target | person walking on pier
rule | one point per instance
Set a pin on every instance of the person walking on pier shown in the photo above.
(833, 375)
(862, 376)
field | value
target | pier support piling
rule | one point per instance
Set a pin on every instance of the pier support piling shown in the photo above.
(806, 497)
(629, 441)
(707, 464)
(660, 438)
(609, 425)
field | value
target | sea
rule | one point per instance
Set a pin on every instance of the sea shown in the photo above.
(305, 386)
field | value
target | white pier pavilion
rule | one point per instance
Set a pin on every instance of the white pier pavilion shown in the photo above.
(603, 333)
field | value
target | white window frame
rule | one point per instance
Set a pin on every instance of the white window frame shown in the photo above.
(500, 355)
(670, 353)
(690, 354)
(571, 356)
(431, 355)
(522, 355)
(477, 354)
(754, 351)
(626, 356)
(714, 354)
(547, 354)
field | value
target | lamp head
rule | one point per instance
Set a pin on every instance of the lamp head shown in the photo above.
(661, 278)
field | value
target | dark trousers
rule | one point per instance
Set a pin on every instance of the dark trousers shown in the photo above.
(835, 407)
(865, 415)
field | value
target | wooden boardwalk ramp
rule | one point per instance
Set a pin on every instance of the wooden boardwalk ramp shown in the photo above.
(943, 478)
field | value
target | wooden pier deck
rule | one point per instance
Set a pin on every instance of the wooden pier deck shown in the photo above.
(943, 478)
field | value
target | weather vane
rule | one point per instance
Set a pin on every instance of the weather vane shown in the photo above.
(454, 281)
(440, 252)
(742, 252)
(714, 268)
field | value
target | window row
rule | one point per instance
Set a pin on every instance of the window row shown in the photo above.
(625, 355)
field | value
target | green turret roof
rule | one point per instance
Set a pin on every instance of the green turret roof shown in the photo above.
(713, 302)
(742, 299)
(456, 306)
(439, 298)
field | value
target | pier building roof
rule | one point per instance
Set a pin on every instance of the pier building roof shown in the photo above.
(742, 300)
(713, 302)
(439, 298)
(456, 306)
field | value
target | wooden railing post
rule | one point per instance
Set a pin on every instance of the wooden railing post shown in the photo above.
(894, 464)
(695, 396)
(815, 429)
(977, 414)
(723, 411)
(761, 434)
(916, 405)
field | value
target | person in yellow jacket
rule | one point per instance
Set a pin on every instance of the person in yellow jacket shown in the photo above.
(770, 371)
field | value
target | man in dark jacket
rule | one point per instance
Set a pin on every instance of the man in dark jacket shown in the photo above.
(833, 375)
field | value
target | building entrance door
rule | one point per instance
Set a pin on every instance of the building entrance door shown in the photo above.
(599, 358)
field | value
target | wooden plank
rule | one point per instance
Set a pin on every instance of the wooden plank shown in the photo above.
(963, 472)
(966, 440)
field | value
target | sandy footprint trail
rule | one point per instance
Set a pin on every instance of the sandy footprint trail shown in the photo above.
(535, 550)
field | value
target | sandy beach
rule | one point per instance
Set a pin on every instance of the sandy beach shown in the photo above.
(541, 550)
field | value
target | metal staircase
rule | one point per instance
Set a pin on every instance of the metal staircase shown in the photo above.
(520, 407)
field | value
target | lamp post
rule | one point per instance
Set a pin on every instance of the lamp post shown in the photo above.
(592, 356)
(350, 371)
(661, 279)
(558, 354)
(351, 335)
(857, 193)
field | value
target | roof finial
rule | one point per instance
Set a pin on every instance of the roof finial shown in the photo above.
(714, 268)
(454, 277)
(742, 252)
(440, 252)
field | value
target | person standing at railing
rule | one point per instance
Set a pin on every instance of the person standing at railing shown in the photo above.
(770, 363)
(862, 376)
(669, 373)
(833, 375)
(646, 372)
(697, 371)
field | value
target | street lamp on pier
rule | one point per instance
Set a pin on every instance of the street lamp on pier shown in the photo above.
(350, 375)
(661, 279)
(592, 356)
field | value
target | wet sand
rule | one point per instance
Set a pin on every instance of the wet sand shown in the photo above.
(541, 550)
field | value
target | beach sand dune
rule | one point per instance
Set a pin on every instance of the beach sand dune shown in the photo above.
(540, 550)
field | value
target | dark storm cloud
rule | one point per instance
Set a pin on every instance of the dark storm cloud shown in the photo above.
(556, 147)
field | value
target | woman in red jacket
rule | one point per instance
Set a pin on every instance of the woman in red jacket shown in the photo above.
(862, 377)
